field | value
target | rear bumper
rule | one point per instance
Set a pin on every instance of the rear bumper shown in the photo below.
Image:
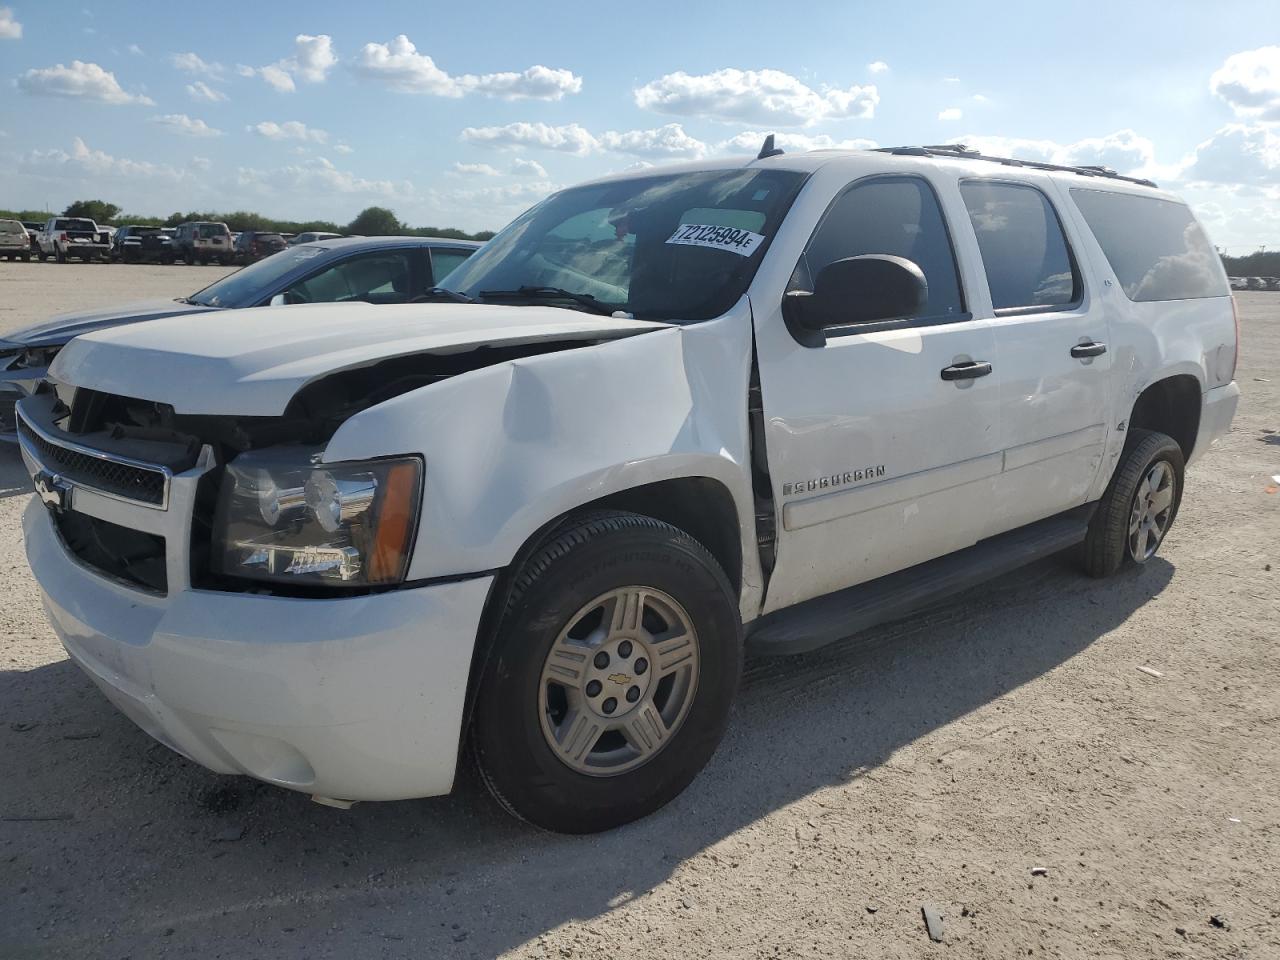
(1217, 409)
(359, 698)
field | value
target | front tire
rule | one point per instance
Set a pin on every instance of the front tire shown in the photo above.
(611, 677)
(1139, 506)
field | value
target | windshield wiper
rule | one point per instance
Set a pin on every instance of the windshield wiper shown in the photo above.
(440, 293)
(549, 293)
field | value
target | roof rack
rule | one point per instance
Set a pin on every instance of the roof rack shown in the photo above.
(962, 152)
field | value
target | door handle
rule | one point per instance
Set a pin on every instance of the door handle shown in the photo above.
(969, 370)
(1091, 349)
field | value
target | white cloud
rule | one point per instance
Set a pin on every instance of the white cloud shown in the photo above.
(878, 66)
(749, 141)
(1124, 151)
(85, 163)
(476, 170)
(667, 141)
(950, 79)
(312, 59)
(135, 49)
(318, 176)
(87, 81)
(187, 126)
(194, 63)
(569, 138)
(524, 167)
(951, 113)
(1239, 154)
(758, 96)
(344, 148)
(289, 130)
(980, 98)
(10, 29)
(199, 90)
(400, 66)
(1249, 82)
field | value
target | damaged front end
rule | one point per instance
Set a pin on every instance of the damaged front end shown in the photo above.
(159, 499)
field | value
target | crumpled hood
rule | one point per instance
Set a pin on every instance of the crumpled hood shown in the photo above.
(251, 362)
(58, 330)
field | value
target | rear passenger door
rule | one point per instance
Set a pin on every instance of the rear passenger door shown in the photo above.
(1052, 348)
(882, 443)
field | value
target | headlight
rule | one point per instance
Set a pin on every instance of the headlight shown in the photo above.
(285, 516)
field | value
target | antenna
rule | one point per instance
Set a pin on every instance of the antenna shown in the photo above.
(768, 149)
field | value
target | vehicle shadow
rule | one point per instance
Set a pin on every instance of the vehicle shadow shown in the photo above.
(201, 864)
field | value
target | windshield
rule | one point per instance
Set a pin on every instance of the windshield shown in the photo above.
(245, 288)
(679, 247)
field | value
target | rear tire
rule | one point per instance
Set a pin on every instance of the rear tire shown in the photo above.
(1139, 506)
(591, 712)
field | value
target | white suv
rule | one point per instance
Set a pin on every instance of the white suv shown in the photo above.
(661, 419)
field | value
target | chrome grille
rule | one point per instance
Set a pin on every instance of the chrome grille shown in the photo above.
(97, 470)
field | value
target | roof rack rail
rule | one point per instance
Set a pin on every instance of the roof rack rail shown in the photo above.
(962, 152)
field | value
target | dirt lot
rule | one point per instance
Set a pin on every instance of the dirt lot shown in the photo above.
(937, 761)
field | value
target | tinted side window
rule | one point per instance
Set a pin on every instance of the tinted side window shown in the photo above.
(897, 216)
(1155, 246)
(382, 277)
(444, 262)
(1023, 248)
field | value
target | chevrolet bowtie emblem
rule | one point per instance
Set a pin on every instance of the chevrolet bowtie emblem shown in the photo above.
(53, 491)
(621, 679)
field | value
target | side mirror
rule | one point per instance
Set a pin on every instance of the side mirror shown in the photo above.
(855, 290)
(278, 300)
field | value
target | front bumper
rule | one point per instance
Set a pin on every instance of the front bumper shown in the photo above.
(1217, 410)
(358, 698)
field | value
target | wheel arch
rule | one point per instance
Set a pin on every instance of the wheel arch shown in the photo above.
(1170, 405)
(701, 506)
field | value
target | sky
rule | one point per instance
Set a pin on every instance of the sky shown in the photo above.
(464, 114)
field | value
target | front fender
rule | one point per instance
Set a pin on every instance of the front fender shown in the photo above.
(511, 447)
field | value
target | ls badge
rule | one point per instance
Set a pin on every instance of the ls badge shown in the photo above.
(53, 491)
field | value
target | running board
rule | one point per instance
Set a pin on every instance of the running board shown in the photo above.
(823, 620)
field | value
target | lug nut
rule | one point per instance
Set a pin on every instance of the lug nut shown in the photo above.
(633, 695)
(609, 705)
(602, 660)
(641, 665)
(624, 649)
(593, 688)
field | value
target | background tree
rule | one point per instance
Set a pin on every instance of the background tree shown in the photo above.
(375, 222)
(99, 211)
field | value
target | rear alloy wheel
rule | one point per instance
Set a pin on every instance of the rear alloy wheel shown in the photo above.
(611, 677)
(1139, 506)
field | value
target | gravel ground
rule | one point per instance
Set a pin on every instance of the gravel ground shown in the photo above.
(942, 760)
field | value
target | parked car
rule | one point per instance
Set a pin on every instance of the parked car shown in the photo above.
(72, 238)
(311, 236)
(1238, 283)
(1270, 283)
(659, 418)
(14, 242)
(253, 245)
(135, 244)
(203, 242)
(374, 269)
(33, 233)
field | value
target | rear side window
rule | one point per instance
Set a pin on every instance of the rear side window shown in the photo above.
(895, 216)
(1155, 247)
(444, 262)
(1024, 251)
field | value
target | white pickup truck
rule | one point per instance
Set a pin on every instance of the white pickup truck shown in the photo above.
(661, 419)
(72, 238)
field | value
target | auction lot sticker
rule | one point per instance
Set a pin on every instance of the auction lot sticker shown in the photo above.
(741, 242)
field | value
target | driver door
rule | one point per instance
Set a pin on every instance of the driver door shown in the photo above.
(879, 459)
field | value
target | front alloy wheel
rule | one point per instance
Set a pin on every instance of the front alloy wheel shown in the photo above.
(611, 674)
(618, 681)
